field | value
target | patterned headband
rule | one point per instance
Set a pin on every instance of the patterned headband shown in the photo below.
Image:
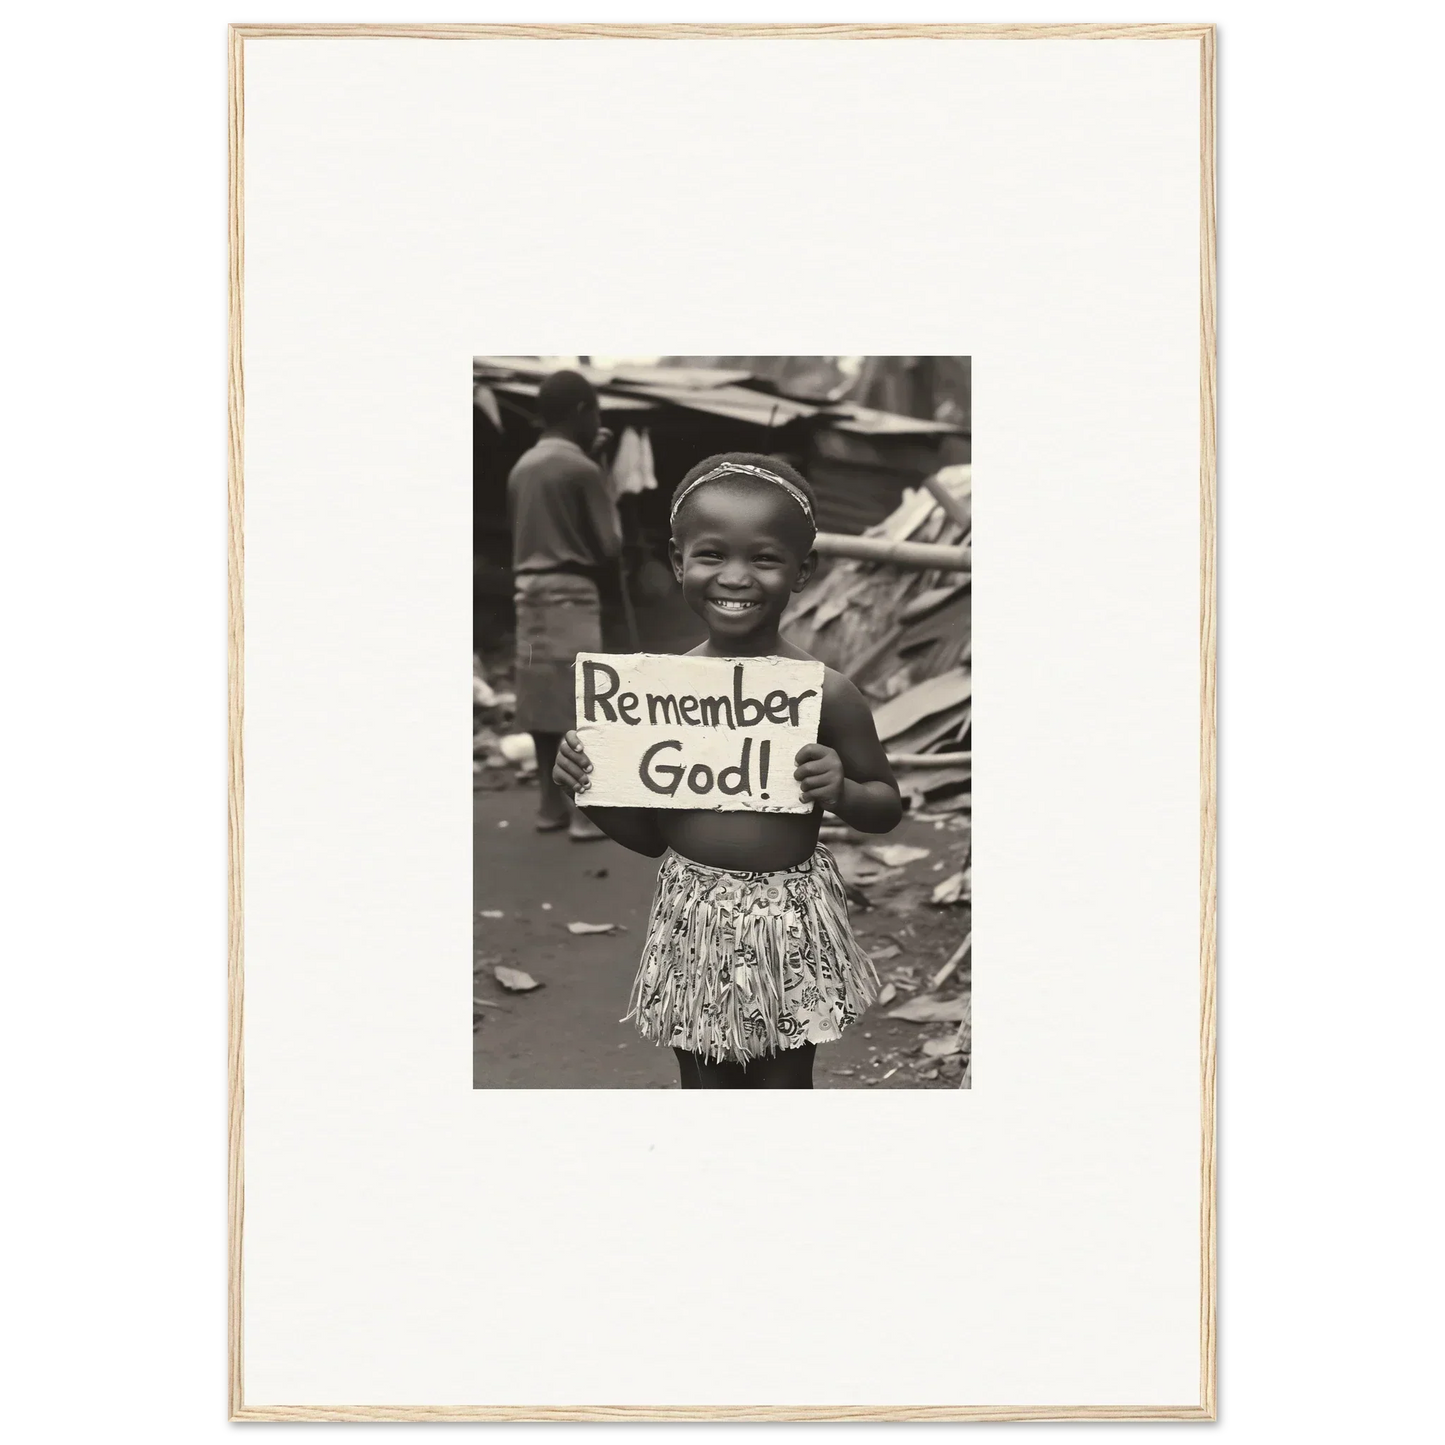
(727, 467)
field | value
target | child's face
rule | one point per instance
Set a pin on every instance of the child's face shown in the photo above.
(739, 557)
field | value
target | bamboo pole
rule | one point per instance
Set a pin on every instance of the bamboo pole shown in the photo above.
(946, 972)
(922, 556)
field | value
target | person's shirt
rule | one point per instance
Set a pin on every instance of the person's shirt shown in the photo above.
(563, 518)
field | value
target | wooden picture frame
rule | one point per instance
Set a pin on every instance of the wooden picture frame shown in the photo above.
(1202, 1408)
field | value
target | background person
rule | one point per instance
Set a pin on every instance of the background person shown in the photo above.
(565, 528)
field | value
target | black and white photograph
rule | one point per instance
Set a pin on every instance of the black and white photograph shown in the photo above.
(721, 722)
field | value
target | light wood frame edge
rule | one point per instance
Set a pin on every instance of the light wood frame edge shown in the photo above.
(1206, 1410)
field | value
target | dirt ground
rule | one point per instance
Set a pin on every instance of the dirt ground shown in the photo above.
(567, 1034)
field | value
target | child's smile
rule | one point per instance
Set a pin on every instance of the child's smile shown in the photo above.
(740, 557)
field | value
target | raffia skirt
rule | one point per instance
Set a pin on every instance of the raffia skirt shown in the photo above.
(738, 965)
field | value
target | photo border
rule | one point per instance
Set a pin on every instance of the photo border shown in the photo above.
(1206, 1408)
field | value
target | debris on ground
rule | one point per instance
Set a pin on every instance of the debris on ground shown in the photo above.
(491, 913)
(595, 872)
(953, 889)
(493, 707)
(956, 958)
(930, 1009)
(887, 993)
(518, 748)
(593, 927)
(882, 955)
(858, 867)
(896, 855)
(938, 1048)
(514, 980)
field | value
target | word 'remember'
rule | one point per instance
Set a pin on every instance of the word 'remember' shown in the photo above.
(739, 711)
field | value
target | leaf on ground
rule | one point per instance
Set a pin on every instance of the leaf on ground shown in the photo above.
(949, 891)
(593, 927)
(514, 979)
(939, 1048)
(855, 866)
(888, 994)
(931, 1010)
(882, 955)
(484, 1003)
(896, 855)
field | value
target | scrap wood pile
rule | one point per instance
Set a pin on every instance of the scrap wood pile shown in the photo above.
(910, 903)
(903, 635)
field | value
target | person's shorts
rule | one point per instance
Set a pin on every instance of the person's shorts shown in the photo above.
(558, 616)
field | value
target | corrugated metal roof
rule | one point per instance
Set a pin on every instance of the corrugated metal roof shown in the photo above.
(865, 421)
(492, 368)
(852, 500)
(736, 403)
(607, 400)
(688, 378)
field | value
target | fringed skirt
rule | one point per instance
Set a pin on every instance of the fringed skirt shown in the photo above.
(738, 965)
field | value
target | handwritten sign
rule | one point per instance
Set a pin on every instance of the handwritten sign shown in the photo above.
(696, 732)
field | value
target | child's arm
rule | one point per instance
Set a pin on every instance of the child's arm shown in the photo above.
(632, 827)
(846, 770)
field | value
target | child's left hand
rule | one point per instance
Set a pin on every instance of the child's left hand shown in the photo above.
(820, 774)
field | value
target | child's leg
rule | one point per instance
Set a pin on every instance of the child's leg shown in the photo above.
(786, 1069)
(699, 1072)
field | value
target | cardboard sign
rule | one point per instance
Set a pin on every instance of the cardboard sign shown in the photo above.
(696, 732)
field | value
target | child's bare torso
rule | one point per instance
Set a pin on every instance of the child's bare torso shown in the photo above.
(745, 842)
(741, 842)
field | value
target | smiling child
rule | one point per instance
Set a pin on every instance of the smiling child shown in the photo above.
(749, 961)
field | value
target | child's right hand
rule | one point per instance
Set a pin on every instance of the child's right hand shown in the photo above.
(572, 768)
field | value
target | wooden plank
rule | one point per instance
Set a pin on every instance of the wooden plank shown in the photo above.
(923, 736)
(899, 714)
(952, 507)
(919, 555)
